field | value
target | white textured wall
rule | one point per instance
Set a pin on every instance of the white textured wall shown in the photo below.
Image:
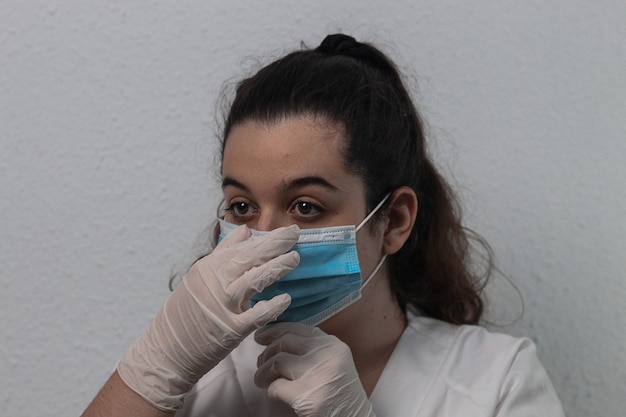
(106, 129)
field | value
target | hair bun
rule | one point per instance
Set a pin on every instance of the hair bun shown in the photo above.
(340, 44)
(337, 44)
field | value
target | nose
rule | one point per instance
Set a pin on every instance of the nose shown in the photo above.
(269, 219)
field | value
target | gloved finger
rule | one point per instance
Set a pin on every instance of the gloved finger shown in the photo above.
(260, 277)
(290, 343)
(268, 334)
(263, 312)
(284, 390)
(239, 234)
(257, 250)
(282, 365)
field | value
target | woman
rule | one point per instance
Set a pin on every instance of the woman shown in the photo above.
(327, 183)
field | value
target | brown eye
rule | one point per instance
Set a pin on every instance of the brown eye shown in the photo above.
(241, 211)
(304, 208)
(241, 208)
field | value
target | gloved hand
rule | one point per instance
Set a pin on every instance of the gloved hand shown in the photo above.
(208, 315)
(311, 371)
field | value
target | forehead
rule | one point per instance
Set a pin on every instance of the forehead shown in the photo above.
(290, 147)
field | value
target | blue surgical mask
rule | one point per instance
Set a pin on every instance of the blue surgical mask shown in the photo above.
(328, 277)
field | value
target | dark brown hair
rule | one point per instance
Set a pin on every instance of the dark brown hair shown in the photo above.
(356, 86)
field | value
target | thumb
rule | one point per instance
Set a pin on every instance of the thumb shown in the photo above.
(264, 312)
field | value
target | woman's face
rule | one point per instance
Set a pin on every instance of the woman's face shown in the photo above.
(289, 172)
(293, 172)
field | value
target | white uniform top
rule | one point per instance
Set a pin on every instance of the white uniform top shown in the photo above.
(437, 369)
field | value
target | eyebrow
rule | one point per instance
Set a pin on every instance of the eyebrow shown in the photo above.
(311, 180)
(288, 186)
(228, 181)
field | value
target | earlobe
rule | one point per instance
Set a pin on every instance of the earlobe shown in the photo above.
(401, 215)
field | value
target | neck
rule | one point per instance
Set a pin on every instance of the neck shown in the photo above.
(371, 328)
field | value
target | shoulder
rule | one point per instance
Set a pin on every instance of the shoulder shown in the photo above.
(469, 351)
(447, 369)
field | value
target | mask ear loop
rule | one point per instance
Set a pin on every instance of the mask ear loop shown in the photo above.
(369, 216)
(363, 222)
(374, 271)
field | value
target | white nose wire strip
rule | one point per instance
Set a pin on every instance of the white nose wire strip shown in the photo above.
(369, 216)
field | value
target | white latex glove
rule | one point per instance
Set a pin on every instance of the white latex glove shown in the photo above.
(208, 315)
(311, 371)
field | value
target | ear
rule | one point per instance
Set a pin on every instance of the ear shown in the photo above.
(401, 215)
